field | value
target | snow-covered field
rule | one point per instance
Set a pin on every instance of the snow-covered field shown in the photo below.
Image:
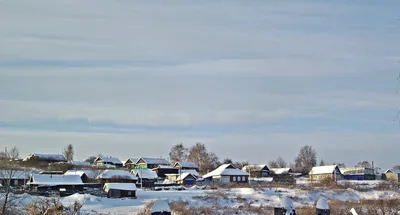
(231, 198)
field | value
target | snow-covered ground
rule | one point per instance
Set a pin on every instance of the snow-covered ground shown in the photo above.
(230, 197)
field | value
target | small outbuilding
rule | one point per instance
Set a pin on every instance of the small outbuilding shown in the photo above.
(227, 173)
(160, 207)
(331, 172)
(120, 190)
(392, 175)
(257, 171)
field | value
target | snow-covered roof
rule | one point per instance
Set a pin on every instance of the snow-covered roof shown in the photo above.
(287, 203)
(80, 163)
(53, 157)
(119, 186)
(89, 173)
(39, 179)
(111, 173)
(145, 173)
(280, 171)
(160, 206)
(225, 169)
(356, 170)
(182, 176)
(322, 203)
(191, 171)
(257, 167)
(109, 159)
(166, 167)
(186, 165)
(322, 170)
(160, 161)
(132, 160)
(14, 174)
(397, 171)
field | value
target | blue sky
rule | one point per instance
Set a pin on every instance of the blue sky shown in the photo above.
(253, 80)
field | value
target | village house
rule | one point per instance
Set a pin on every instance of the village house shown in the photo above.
(320, 173)
(392, 175)
(227, 173)
(87, 176)
(191, 171)
(120, 190)
(186, 166)
(41, 182)
(151, 163)
(112, 162)
(183, 178)
(257, 171)
(281, 171)
(80, 163)
(146, 177)
(358, 173)
(162, 170)
(45, 157)
(17, 177)
(130, 163)
(116, 176)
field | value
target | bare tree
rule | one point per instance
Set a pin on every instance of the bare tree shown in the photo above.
(206, 161)
(339, 164)
(306, 159)
(9, 169)
(178, 153)
(90, 159)
(69, 152)
(278, 163)
(227, 161)
(364, 164)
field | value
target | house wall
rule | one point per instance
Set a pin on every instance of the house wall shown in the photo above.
(114, 193)
(331, 176)
(392, 177)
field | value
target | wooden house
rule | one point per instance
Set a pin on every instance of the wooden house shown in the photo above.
(120, 190)
(151, 163)
(392, 175)
(281, 171)
(14, 178)
(320, 173)
(358, 173)
(130, 163)
(51, 158)
(146, 177)
(41, 182)
(186, 166)
(162, 170)
(257, 171)
(87, 176)
(227, 173)
(112, 162)
(116, 176)
(183, 178)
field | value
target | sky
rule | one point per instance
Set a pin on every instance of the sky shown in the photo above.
(253, 80)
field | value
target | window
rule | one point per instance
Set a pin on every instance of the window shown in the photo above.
(15, 182)
(129, 193)
(243, 178)
(234, 178)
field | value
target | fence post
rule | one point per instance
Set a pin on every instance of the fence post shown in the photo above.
(322, 207)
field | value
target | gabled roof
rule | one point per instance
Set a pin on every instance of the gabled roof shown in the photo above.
(120, 174)
(119, 186)
(132, 160)
(81, 172)
(38, 179)
(323, 169)
(257, 167)
(109, 159)
(191, 171)
(186, 165)
(145, 173)
(53, 157)
(185, 175)
(280, 171)
(397, 171)
(80, 163)
(226, 169)
(159, 161)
